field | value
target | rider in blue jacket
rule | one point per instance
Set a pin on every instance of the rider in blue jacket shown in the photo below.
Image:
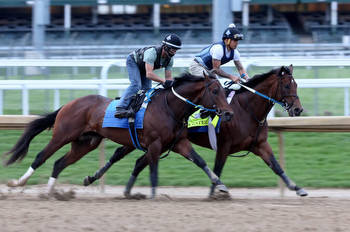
(212, 57)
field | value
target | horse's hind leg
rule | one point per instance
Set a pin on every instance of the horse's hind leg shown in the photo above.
(79, 148)
(265, 152)
(119, 153)
(41, 157)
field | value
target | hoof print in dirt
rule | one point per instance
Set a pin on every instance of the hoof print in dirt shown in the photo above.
(136, 196)
(64, 196)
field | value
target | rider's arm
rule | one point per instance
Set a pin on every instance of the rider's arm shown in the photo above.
(168, 75)
(217, 70)
(242, 72)
(151, 75)
(150, 55)
(168, 70)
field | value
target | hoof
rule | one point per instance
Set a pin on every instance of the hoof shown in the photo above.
(87, 181)
(127, 194)
(220, 196)
(222, 188)
(12, 183)
(301, 192)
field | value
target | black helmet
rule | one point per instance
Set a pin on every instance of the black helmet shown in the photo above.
(232, 33)
(172, 41)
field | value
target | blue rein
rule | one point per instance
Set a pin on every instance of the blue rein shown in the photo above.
(191, 103)
(228, 84)
(199, 106)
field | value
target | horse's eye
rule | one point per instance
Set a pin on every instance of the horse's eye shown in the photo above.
(287, 86)
(215, 92)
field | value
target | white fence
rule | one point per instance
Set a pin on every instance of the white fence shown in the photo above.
(103, 84)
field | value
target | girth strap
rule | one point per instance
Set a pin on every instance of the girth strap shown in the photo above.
(133, 134)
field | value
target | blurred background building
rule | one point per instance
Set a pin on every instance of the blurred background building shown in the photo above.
(112, 28)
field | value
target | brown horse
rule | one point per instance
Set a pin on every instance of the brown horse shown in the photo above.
(80, 123)
(247, 131)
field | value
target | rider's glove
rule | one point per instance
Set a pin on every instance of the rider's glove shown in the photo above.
(168, 84)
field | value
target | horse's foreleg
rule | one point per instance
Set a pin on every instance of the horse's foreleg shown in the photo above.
(41, 157)
(140, 164)
(274, 165)
(184, 148)
(265, 152)
(220, 161)
(153, 154)
(119, 153)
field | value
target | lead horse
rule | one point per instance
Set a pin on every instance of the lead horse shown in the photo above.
(80, 123)
(247, 131)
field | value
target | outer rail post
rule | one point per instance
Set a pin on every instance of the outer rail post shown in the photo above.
(281, 160)
(102, 163)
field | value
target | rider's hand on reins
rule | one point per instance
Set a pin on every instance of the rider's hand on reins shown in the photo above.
(168, 84)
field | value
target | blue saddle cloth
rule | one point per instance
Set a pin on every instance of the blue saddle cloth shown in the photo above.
(110, 121)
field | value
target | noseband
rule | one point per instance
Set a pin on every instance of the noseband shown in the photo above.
(285, 105)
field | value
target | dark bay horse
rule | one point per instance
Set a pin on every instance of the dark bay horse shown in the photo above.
(248, 130)
(80, 123)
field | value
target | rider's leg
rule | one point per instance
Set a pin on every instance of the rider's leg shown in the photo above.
(135, 86)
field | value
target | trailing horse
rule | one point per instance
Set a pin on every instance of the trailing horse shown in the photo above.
(80, 123)
(247, 131)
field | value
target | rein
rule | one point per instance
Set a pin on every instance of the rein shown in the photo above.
(263, 95)
(191, 103)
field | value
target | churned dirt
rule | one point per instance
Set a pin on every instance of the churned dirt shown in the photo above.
(84, 209)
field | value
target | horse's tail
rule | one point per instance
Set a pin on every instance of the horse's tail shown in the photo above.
(20, 150)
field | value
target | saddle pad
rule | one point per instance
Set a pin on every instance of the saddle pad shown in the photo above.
(110, 121)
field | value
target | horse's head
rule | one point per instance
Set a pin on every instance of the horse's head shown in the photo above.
(204, 92)
(214, 97)
(287, 91)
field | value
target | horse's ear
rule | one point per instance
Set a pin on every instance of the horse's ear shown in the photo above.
(282, 71)
(291, 69)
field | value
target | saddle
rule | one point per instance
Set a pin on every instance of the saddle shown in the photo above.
(134, 106)
(137, 101)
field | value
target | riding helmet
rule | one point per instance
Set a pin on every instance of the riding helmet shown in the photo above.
(172, 41)
(232, 33)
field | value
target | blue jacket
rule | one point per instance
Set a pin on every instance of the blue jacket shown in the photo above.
(205, 59)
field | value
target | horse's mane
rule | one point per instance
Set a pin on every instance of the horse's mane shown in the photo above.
(186, 76)
(256, 79)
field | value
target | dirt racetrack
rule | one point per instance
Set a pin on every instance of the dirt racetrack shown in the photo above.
(175, 209)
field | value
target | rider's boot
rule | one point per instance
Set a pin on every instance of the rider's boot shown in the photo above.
(123, 113)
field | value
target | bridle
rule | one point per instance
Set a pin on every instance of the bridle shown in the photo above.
(214, 110)
(286, 106)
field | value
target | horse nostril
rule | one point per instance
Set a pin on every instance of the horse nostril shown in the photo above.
(228, 115)
(297, 111)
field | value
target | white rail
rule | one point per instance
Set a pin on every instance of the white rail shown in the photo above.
(104, 84)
